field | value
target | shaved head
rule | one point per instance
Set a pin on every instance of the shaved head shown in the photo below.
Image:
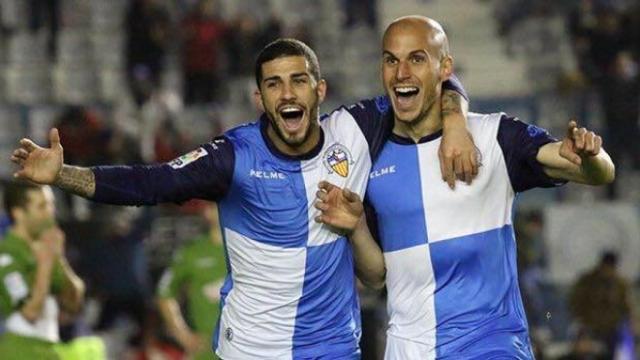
(415, 62)
(430, 30)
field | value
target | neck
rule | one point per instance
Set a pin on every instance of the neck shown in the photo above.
(305, 147)
(22, 233)
(426, 124)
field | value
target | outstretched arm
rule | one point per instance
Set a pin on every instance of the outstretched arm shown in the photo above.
(203, 173)
(343, 210)
(579, 157)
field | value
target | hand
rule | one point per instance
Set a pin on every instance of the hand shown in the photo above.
(192, 342)
(38, 164)
(341, 208)
(579, 143)
(50, 245)
(458, 155)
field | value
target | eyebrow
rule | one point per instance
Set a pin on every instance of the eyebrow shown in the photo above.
(420, 51)
(277, 77)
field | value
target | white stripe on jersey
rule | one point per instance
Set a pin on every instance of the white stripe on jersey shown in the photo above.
(342, 131)
(258, 318)
(481, 206)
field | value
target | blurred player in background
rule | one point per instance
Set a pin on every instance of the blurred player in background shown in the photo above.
(197, 271)
(36, 282)
(448, 256)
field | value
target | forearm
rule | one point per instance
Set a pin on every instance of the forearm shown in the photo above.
(32, 308)
(454, 107)
(76, 180)
(368, 257)
(73, 290)
(172, 316)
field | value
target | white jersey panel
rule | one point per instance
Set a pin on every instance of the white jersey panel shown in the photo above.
(262, 314)
(344, 161)
(484, 205)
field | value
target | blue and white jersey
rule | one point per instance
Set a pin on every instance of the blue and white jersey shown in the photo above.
(290, 291)
(451, 254)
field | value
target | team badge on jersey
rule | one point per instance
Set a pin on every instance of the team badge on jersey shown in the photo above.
(338, 159)
(188, 158)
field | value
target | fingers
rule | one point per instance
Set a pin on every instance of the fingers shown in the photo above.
(597, 144)
(467, 168)
(350, 195)
(447, 168)
(326, 186)
(322, 195)
(458, 167)
(567, 153)
(473, 160)
(579, 135)
(54, 137)
(571, 127)
(322, 206)
(28, 145)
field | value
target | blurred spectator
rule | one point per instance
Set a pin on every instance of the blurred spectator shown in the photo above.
(243, 45)
(148, 28)
(600, 303)
(204, 34)
(119, 270)
(529, 229)
(271, 30)
(37, 283)
(46, 13)
(86, 138)
(584, 348)
(360, 12)
(196, 274)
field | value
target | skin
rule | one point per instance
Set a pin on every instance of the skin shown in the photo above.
(287, 81)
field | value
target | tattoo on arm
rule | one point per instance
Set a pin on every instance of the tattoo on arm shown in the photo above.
(77, 180)
(451, 103)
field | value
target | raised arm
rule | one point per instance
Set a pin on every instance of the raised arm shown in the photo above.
(343, 210)
(579, 157)
(203, 173)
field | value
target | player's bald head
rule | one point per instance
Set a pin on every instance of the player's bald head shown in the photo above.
(429, 31)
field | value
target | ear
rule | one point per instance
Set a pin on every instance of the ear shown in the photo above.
(446, 67)
(321, 90)
(257, 100)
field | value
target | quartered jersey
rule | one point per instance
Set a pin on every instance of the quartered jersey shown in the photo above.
(290, 289)
(451, 254)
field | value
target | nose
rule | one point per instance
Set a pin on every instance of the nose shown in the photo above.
(403, 72)
(287, 92)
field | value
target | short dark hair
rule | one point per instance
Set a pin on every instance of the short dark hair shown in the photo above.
(16, 195)
(287, 47)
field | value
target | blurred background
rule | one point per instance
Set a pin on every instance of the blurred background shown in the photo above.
(143, 81)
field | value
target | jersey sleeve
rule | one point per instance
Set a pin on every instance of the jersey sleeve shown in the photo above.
(204, 173)
(173, 277)
(453, 83)
(520, 143)
(14, 288)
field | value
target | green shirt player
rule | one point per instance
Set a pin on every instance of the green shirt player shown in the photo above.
(36, 282)
(197, 272)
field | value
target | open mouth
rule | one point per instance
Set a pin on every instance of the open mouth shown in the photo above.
(405, 95)
(292, 116)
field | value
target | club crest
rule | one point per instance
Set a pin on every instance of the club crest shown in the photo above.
(338, 159)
